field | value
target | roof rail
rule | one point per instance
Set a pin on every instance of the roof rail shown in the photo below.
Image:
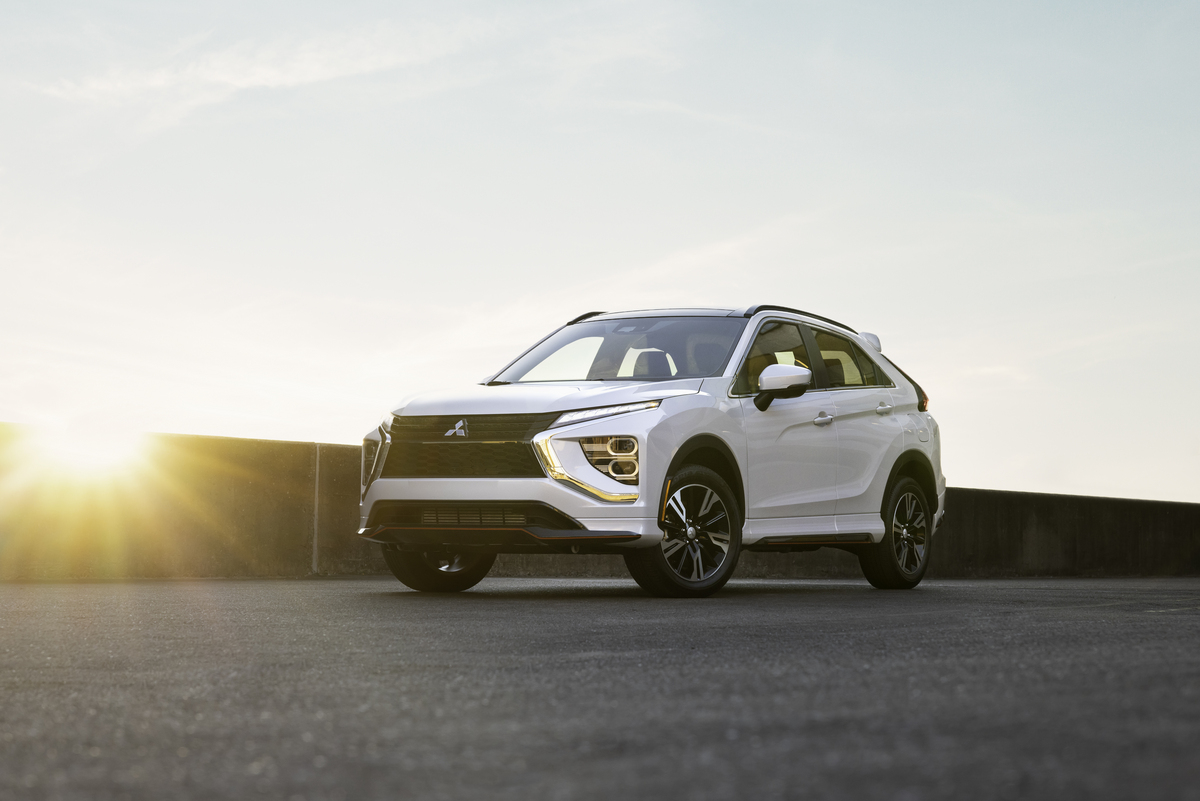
(583, 317)
(762, 307)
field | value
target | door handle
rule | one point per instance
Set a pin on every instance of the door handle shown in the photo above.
(822, 419)
(883, 408)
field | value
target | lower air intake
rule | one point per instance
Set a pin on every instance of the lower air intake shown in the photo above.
(470, 514)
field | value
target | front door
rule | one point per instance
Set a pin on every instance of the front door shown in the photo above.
(792, 447)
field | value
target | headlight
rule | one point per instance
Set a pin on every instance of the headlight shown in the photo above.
(580, 475)
(604, 411)
(615, 457)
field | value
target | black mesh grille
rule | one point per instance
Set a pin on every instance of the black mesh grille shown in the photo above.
(462, 460)
(493, 446)
(470, 514)
(479, 427)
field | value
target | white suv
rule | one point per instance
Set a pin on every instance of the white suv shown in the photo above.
(675, 437)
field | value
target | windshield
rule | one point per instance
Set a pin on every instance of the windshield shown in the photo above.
(635, 349)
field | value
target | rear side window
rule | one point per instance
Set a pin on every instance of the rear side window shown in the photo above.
(776, 343)
(845, 363)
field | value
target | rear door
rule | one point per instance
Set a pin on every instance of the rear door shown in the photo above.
(791, 448)
(870, 435)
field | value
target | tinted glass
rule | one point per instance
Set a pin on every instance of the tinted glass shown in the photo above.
(635, 349)
(845, 363)
(872, 376)
(776, 343)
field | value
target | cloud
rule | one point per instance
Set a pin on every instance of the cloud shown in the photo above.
(578, 52)
(565, 51)
(669, 107)
(188, 80)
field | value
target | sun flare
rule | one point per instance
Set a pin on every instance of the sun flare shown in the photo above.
(78, 450)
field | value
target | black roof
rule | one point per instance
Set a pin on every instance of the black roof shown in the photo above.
(709, 312)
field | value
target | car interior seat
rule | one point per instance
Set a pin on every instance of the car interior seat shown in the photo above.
(652, 364)
(836, 373)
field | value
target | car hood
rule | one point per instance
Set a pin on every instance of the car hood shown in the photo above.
(548, 397)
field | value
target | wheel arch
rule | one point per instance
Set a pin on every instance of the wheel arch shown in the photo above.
(712, 452)
(912, 464)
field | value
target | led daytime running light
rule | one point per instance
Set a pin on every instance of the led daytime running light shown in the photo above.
(604, 411)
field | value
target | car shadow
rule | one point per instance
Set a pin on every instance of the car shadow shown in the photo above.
(541, 589)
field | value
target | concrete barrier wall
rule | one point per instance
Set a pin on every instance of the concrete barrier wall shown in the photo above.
(190, 506)
(995, 533)
(213, 506)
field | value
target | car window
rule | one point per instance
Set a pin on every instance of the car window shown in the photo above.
(872, 375)
(629, 364)
(777, 343)
(574, 358)
(633, 349)
(845, 363)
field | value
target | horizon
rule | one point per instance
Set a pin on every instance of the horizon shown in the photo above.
(277, 222)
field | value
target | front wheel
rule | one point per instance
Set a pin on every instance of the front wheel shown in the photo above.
(702, 537)
(899, 560)
(438, 572)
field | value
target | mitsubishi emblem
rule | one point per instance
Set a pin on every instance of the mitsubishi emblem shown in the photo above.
(459, 430)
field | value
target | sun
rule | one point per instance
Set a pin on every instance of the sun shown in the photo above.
(89, 450)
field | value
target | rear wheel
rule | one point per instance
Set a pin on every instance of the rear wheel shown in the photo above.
(702, 537)
(899, 560)
(438, 572)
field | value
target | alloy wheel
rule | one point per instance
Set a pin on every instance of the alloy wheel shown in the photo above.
(910, 533)
(697, 532)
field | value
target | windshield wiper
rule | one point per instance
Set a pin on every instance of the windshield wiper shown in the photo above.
(496, 383)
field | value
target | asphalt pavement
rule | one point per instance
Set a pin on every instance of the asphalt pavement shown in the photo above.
(588, 689)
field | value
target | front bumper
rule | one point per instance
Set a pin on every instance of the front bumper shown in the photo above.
(468, 514)
(529, 539)
(603, 515)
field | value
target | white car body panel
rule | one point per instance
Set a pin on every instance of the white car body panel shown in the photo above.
(799, 479)
(792, 462)
(867, 440)
(534, 398)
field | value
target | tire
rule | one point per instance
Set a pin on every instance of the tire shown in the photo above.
(438, 572)
(702, 538)
(900, 559)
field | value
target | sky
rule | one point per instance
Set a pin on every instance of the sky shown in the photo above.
(277, 220)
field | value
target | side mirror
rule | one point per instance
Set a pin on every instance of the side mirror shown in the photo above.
(781, 381)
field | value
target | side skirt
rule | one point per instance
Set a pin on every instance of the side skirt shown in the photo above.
(766, 533)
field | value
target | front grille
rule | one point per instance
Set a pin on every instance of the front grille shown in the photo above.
(470, 514)
(462, 460)
(479, 427)
(493, 446)
(495, 516)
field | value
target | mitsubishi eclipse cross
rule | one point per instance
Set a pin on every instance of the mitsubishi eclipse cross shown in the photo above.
(675, 437)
